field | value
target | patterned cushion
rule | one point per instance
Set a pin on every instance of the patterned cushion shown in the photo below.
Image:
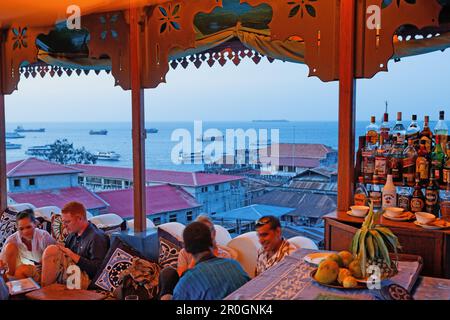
(169, 248)
(110, 229)
(117, 260)
(7, 226)
(59, 232)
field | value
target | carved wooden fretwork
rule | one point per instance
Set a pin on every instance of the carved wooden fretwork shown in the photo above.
(375, 46)
(168, 26)
(18, 49)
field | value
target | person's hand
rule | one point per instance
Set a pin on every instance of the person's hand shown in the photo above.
(72, 255)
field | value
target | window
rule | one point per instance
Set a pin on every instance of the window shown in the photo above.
(32, 181)
(16, 183)
(216, 187)
(173, 217)
(157, 221)
(189, 216)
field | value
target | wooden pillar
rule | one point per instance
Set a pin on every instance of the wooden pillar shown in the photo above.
(3, 188)
(138, 124)
(347, 90)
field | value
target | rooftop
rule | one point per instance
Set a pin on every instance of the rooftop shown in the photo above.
(160, 199)
(182, 178)
(59, 197)
(37, 167)
(299, 150)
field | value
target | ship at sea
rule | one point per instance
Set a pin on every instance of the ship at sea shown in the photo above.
(99, 132)
(22, 129)
(107, 156)
(10, 145)
(13, 135)
(40, 151)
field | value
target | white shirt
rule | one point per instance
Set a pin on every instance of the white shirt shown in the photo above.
(41, 240)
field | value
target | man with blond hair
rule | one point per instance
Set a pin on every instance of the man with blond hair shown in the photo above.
(86, 246)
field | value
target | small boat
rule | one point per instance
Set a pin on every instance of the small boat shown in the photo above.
(10, 145)
(151, 130)
(13, 135)
(39, 150)
(99, 132)
(107, 156)
(210, 138)
(22, 129)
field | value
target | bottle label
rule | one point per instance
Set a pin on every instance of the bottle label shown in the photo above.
(389, 200)
(375, 196)
(417, 204)
(409, 162)
(432, 197)
(360, 199)
(427, 143)
(400, 138)
(422, 168)
(403, 202)
(368, 164)
(381, 166)
(372, 137)
(446, 175)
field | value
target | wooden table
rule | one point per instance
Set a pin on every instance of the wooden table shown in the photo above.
(290, 280)
(432, 245)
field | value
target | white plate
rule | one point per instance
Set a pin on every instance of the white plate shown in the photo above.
(350, 214)
(426, 226)
(316, 257)
(403, 218)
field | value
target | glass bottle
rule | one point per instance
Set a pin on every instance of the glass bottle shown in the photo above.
(381, 162)
(389, 193)
(422, 164)
(375, 195)
(372, 132)
(437, 160)
(432, 196)
(445, 203)
(413, 131)
(426, 134)
(361, 195)
(385, 130)
(446, 170)
(404, 196)
(399, 130)
(368, 160)
(409, 163)
(396, 160)
(417, 199)
(441, 130)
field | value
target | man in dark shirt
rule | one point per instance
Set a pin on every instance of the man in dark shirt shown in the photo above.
(86, 246)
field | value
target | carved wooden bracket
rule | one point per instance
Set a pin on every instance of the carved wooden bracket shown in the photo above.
(168, 26)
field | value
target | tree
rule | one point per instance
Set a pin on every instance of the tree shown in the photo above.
(63, 152)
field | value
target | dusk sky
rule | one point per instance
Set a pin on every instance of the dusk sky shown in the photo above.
(265, 91)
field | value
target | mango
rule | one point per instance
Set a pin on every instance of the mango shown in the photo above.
(350, 282)
(355, 269)
(336, 258)
(343, 273)
(346, 257)
(327, 272)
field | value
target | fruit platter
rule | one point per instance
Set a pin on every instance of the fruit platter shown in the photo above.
(368, 257)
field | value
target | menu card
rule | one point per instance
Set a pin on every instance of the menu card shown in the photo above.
(22, 286)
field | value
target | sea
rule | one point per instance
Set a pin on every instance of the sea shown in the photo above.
(159, 146)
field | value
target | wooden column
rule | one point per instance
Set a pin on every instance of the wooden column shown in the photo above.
(138, 124)
(347, 90)
(3, 188)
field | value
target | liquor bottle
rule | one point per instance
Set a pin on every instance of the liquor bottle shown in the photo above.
(368, 158)
(385, 129)
(361, 195)
(413, 131)
(375, 195)
(446, 170)
(404, 196)
(409, 163)
(418, 199)
(441, 130)
(437, 160)
(381, 162)
(372, 131)
(389, 193)
(426, 135)
(445, 203)
(396, 160)
(432, 197)
(422, 164)
(399, 130)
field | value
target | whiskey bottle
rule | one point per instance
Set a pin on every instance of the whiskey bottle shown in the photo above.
(413, 131)
(404, 196)
(437, 160)
(385, 129)
(361, 195)
(381, 162)
(426, 135)
(409, 163)
(422, 164)
(432, 197)
(418, 199)
(375, 195)
(446, 170)
(396, 160)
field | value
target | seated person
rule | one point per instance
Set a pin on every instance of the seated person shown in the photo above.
(274, 247)
(212, 278)
(186, 260)
(86, 246)
(22, 252)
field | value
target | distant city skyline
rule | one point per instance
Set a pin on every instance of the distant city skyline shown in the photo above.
(244, 93)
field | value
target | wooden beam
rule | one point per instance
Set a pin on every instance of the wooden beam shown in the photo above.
(3, 188)
(138, 124)
(347, 91)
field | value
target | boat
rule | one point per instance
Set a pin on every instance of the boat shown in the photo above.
(107, 156)
(22, 129)
(151, 130)
(39, 150)
(102, 132)
(13, 135)
(10, 145)
(210, 138)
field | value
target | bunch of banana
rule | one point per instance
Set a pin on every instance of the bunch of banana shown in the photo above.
(372, 243)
